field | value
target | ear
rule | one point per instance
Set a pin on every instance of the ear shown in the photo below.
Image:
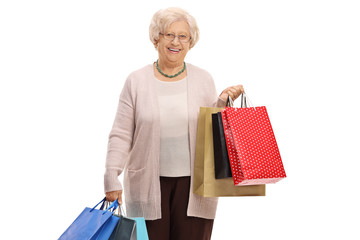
(190, 47)
(156, 44)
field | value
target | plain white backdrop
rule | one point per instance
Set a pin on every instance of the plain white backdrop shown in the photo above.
(62, 68)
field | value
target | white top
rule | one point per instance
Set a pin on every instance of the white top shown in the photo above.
(174, 133)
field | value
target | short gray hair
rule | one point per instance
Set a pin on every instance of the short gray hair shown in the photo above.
(163, 18)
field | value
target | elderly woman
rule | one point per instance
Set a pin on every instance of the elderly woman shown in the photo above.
(154, 135)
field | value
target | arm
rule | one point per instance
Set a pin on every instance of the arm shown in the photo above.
(119, 144)
(220, 101)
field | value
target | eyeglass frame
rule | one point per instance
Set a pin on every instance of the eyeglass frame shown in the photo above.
(175, 36)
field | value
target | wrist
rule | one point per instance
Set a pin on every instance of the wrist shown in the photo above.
(223, 96)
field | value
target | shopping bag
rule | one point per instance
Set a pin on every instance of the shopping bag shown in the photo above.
(124, 230)
(129, 228)
(105, 232)
(90, 223)
(252, 148)
(204, 182)
(141, 230)
(221, 157)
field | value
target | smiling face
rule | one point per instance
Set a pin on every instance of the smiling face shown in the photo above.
(172, 53)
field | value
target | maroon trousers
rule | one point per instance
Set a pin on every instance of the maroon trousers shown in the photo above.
(175, 224)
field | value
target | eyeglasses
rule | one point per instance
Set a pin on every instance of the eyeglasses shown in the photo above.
(170, 37)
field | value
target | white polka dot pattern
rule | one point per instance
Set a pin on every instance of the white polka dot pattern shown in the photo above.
(253, 152)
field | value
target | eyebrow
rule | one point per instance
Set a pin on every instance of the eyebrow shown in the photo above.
(181, 33)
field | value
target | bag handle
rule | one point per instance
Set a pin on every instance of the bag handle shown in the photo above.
(102, 201)
(112, 206)
(244, 98)
(120, 212)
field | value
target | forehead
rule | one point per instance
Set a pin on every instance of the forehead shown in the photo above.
(179, 27)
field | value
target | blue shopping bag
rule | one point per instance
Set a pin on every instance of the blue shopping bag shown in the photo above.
(91, 224)
(141, 231)
(106, 230)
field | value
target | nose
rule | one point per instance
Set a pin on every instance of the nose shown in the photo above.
(176, 40)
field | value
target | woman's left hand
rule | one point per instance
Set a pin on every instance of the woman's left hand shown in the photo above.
(234, 92)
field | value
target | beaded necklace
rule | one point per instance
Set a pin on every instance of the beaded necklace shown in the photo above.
(170, 76)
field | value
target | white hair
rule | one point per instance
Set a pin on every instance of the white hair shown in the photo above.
(163, 18)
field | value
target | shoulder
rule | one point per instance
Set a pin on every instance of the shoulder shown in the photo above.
(139, 77)
(144, 72)
(197, 72)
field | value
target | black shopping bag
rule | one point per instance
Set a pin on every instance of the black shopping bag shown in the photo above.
(124, 230)
(221, 157)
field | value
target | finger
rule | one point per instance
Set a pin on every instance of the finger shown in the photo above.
(110, 198)
(242, 89)
(239, 89)
(238, 92)
(231, 94)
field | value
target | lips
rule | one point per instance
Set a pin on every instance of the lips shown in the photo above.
(174, 50)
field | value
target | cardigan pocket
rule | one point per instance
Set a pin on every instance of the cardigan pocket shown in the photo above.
(135, 170)
(136, 183)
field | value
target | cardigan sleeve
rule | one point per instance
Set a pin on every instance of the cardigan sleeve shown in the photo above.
(120, 140)
(216, 100)
(220, 103)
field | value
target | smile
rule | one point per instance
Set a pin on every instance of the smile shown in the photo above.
(174, 50)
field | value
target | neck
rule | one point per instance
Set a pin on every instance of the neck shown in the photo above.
(169, 67)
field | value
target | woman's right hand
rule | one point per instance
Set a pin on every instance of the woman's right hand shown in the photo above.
(112, 196)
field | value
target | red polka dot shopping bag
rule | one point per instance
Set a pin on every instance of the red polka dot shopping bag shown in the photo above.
(253, 152)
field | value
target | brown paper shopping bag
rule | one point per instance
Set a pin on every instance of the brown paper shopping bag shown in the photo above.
(204, 183)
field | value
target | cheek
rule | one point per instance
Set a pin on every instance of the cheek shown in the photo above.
(161, 49)
(186, 51)
(187, 48)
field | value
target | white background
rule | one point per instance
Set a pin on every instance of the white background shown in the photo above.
(63, 65)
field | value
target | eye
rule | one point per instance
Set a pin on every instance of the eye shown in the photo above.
(170, 35)
(182, 36)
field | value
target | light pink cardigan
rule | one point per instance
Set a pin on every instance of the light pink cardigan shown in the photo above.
(134, 142)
